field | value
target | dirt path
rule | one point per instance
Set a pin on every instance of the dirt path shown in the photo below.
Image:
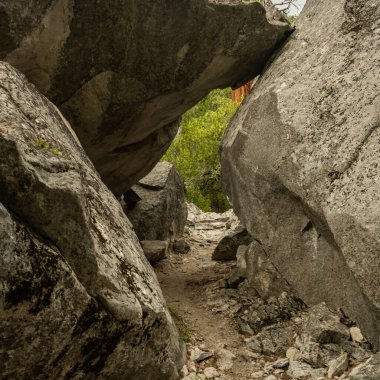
(187, 281)
(208, 313)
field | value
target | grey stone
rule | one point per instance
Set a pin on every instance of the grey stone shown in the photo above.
(281, 363)
(154, 250)
(299, 370)
(319, 355)
(124, 74)
(338, 366)
(228, 246)
(261, 313)
(273, 340)
(77, 295)
(224, 359)
(369, 371)
(210, 372)
(162, 212)
(323, 326)
(300, 159)
(181, 246)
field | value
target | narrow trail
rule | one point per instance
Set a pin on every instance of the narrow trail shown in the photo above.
(188, 281)
(233, 334)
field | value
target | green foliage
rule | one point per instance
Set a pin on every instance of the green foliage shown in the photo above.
(195, 151)
(42, 144)
(184, 331)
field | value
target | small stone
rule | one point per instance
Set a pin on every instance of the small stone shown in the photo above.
(154, 250)
(301, 370)
(271, 377)
(210, 373)
(181, 246)
(198, 355)
(338, 366)
(356, 335)
(224, 359)
(257, 375)
(293, 353)
(184, 371)
(281, 363)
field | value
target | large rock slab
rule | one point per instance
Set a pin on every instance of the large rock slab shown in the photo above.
(78, 299)
(124, 73)
(161, 213)
(301, 159)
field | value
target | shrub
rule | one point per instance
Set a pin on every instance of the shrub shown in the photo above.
(195, 151)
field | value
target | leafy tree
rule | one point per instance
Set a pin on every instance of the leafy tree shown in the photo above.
(195, 151)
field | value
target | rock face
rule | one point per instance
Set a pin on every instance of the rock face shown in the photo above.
(228, 246)
(123, 74)
(78, 299)
(301, 158)
(161, 213)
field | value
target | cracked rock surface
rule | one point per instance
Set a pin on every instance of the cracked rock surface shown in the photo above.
(123, 74)
(300, 161)
(78, 299)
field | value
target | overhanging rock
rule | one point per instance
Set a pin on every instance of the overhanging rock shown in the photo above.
(78, 299)
(124, 72)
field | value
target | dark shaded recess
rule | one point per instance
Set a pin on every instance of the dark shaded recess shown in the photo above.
(38, 288)
(7, 43)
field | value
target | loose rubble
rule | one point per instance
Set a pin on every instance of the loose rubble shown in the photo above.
(237, 333)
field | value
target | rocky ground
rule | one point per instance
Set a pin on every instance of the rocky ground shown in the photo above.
(232, 334)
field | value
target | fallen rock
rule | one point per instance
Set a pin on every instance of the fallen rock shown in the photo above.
(210, 373)
(181, 246)
(338, 366)
(299, 370)
(323, 326)
(261, 313)
(199, 355)
(162, 212)
(293, 353)
(77, 295)
(319, 355)
(228, 246)
(300, 160)
(356, 334)
(367, 371)
(123, 80)
(224, 359)
(272, 340)
(154, 250)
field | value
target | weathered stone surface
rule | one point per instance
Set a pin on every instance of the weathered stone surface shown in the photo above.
(78, 299)
(273, 340)
(162, 212)
(229, 244)
(369, 371)
(254, 264)
(124, 73)
(154, 250)
(181, 246)
(323, 326)
(300, 159)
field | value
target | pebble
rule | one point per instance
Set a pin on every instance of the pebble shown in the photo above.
(258, 375)
(356, 335)
(210, 373)
(224, 359)
(293, 353)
